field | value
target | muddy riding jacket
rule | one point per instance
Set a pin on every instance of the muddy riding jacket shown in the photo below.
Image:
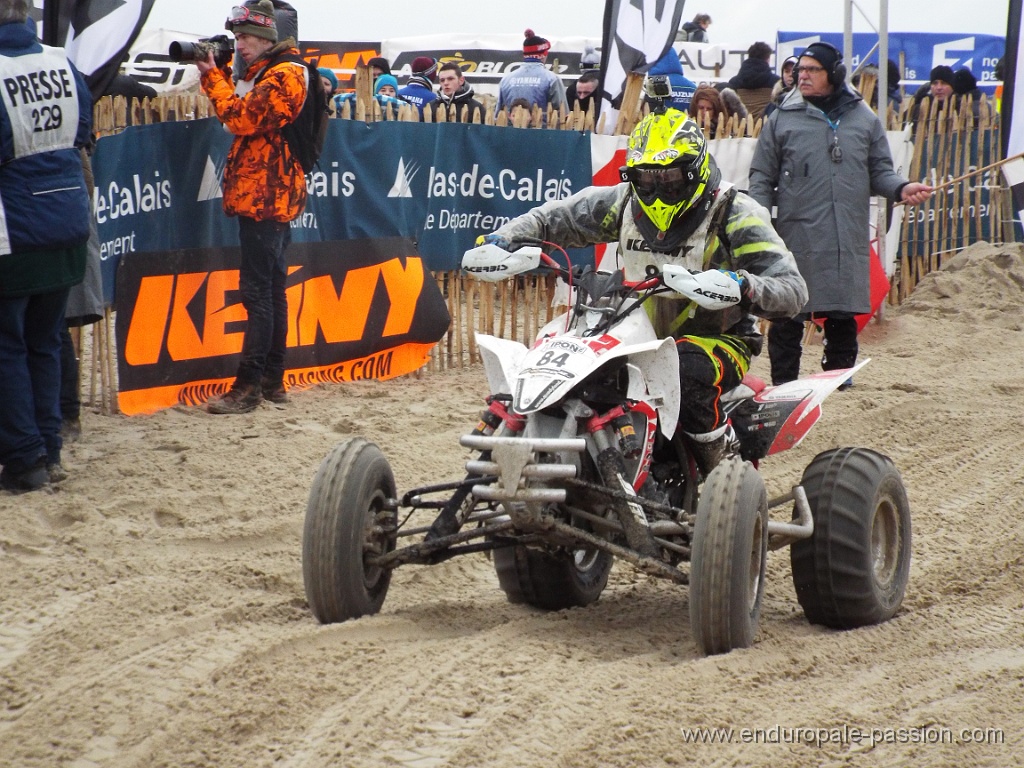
(262, 179)
(735, 235)
(45, 114)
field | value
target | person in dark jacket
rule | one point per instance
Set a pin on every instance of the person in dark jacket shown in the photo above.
(44, 228)
(938, 90)
(695, 31)
(819, 158)
(580, 92)
(965, 86)
(456, 96)
(756, 70)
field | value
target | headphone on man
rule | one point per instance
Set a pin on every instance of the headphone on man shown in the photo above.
(837, 74)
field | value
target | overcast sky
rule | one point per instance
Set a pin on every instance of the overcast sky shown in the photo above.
(734, 21)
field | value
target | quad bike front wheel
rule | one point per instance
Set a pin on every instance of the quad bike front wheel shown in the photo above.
(348, 520)
(729, 556)
(853, 570)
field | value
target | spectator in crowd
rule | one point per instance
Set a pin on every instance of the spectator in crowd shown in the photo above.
(379, 66)
(682, 86)
(532, 80)
(330, 81)
(672, 207)
(456, 96)
(385, 91)
(419, 90)
(756, 79)
(264, 187)
(85, 306)
(894, 94)
(965, 86)
(590, 61)
(45, 217)
(695, 31)
(938, 89)
(520, 111)
(819, 158)
(709, 106)
(999, 70)
(785, 84)
(580, 93)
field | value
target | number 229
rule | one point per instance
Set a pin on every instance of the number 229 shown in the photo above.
(47, 119)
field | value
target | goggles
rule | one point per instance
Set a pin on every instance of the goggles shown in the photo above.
(669, 185)
(242, 14)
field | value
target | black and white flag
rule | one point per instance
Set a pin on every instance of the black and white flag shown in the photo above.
(95, 33)
(636, 34)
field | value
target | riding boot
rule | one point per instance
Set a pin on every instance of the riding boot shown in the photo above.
(709, 448)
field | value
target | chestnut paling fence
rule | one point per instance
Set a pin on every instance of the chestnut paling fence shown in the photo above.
(948, 144)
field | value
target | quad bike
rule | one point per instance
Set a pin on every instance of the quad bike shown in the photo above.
(578, 462)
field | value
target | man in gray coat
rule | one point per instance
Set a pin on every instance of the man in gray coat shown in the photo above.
(819, 158)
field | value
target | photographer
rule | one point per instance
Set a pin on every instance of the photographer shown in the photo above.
(264, 187)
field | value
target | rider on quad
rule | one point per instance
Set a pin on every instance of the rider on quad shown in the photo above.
(672, 207)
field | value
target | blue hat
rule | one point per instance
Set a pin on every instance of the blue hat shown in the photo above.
(329, 74)
(385, 80)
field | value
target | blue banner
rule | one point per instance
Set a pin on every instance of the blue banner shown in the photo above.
(922, 52)
(158, 187)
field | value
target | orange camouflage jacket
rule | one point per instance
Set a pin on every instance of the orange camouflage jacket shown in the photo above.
(262, 180)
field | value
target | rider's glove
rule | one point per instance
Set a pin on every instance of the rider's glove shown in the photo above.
(713, 289)
(742, 280)
(497, 240)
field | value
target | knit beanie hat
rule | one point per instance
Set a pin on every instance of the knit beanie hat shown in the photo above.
(943, 73)
(253, 17)
(384, 80)
(825, 55)
(425, 66)
(590, 59)
(381, 63)
(329, 74)
(534, 44)
(964, 81)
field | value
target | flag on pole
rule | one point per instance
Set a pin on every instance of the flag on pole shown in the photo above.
(1012, 107)
(636, 34)
(96, 34)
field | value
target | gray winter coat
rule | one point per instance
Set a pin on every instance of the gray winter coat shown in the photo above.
(823, 205)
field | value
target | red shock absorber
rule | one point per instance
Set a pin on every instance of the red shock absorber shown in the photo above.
(495, 414)
(620, 420)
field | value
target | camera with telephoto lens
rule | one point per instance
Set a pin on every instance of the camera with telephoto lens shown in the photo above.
(222, 47)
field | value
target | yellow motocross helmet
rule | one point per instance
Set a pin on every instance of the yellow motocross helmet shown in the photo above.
(668, 165)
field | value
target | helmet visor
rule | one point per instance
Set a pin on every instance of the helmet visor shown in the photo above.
(671, 186)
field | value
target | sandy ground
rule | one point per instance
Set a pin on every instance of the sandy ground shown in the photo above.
(153, 611)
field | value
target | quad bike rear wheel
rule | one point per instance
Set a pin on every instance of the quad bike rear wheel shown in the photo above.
(552, 580)
(348, 519)
(853, 570)
(729, 555)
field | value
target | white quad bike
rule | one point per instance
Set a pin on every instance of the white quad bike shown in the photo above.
(578, 462)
